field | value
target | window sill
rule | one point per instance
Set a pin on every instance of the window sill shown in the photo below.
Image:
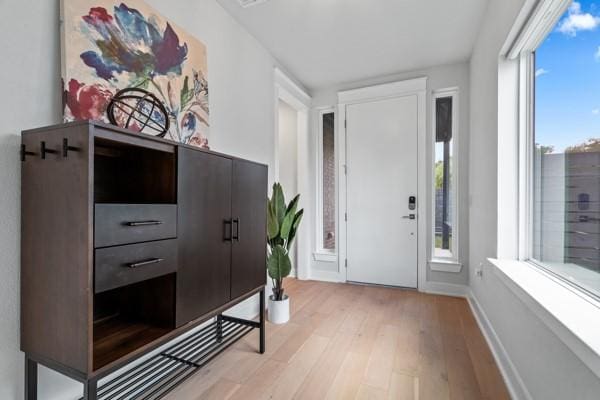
(442, 265)
(571, 315)
(325, 256)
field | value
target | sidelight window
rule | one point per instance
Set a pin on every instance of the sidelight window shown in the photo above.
(444, 175)
(326, 226)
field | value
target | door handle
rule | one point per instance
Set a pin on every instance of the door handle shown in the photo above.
(236, 236)
(410, 216)
(227, 236)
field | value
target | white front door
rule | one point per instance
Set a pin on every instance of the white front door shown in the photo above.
(382, 157)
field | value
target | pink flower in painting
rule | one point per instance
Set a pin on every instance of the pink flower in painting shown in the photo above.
(199, 141)
(87, 101)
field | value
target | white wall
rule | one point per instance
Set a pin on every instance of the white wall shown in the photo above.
(445, 76)
(548, 369)
(288, 149)
(241, 100)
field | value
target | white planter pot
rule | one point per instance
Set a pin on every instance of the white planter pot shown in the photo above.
(279, 311)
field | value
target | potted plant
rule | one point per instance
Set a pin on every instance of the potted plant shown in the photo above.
(282, 225)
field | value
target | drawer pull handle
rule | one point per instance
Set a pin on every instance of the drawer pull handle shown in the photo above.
(142, 263)
(143, 223)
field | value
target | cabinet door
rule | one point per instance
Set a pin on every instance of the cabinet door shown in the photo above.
(249, 213)
(204, 211)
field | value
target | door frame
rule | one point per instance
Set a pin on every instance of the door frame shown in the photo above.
(285, 89)
(418, 87)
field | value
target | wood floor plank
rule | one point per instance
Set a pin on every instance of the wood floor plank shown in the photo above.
(462, 382)
(407, 359)
(366, 392)
(297, 369)
(330, 324)
(317, 383)
(317, 301)
(381, 361)
(404, 387)
(293, 343)
(260, 381)
(246, 365)
(223, 389)
(367, 333)
(349, 377)
(433, 376)
(488, 375)
(353, 321)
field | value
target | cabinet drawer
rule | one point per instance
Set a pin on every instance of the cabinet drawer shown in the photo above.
(117, 224)
(124, 265)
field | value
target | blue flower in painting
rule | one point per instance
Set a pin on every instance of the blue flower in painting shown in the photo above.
(128, 42)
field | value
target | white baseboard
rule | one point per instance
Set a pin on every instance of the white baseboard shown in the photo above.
(445, 289)
(512, 379)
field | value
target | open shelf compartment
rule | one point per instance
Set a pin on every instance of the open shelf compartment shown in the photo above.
(126, 173)
(130, 317)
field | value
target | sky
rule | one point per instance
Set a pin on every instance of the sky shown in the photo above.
(568, 79)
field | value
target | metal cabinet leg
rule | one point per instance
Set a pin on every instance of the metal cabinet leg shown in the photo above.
(90, 390)
(219, 328)
(31, 379)
(262, 321)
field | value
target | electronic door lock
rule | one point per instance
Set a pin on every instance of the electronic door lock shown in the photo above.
(412, 203)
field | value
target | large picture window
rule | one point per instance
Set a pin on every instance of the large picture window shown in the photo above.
(565, 198)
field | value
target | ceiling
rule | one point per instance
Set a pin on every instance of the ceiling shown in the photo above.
(324, 43)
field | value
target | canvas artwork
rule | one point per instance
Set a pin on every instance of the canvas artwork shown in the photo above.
(111, 45)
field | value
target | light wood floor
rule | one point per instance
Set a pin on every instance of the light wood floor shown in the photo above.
(357, 342)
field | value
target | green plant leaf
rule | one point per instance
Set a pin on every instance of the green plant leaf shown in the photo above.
(298, 219)
(272, 224)
(294, 230)
(288, 220)
(278, 202)
(278, 263)
(293, 204)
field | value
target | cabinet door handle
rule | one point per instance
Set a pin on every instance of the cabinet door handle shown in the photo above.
(142, 263)
(66, 148)
(236, 236)
(143, 223)
(228, 233)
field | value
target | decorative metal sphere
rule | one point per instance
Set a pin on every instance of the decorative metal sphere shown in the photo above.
(139, 110)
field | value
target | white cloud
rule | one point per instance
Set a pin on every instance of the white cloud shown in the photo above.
(576, 20)
(540, 72)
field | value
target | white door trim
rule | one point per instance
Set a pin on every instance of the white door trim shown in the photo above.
(417, 87)
(286, 90)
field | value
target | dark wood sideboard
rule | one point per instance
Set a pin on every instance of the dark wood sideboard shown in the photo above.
(128, 242)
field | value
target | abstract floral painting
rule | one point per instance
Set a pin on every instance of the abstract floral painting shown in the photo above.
(111, 45)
